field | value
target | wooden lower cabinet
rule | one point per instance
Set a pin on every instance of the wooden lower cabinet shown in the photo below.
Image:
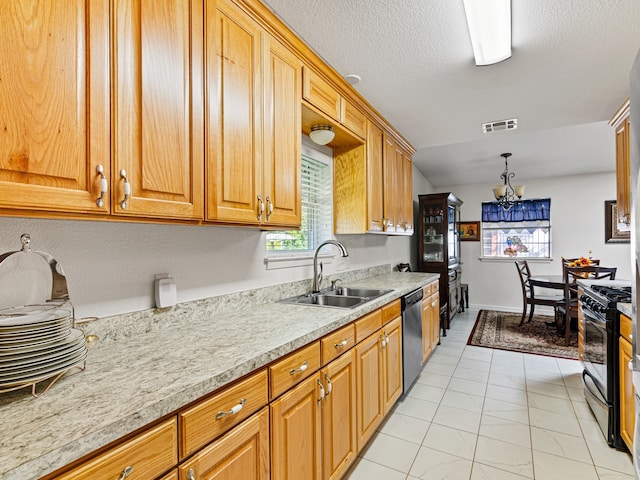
(627, 407)
(295, 432)
(430, 323)
(435, 320)
(391, 364)
(339, 441)
(172, 475)
(242, 453)
(369, 409)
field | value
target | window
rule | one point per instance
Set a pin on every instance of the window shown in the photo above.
(317, 208)
(523, 231)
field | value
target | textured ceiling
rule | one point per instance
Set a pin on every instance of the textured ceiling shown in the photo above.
(567, 75)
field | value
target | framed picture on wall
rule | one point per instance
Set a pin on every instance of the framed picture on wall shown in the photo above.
(469, 231)
(614, 231)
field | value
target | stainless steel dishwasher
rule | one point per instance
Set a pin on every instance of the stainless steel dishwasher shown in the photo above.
(411, 338)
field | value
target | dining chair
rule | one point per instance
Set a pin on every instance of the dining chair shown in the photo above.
(567, 310)
(528, 294)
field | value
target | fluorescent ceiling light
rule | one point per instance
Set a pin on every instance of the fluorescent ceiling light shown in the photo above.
(489, 24)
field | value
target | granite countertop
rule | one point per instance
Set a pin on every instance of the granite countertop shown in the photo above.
(625, 308)
(140, 378)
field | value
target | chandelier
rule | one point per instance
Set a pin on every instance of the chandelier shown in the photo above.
(506, 195)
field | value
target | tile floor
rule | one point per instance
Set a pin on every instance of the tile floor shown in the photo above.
(477, 413)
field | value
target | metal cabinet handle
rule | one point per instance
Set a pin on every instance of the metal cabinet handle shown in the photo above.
(126, 472)
(321, 397)
(329, 384)
(126, 188)
(235, 409)
(191, 475)
(341, 344)
(104, 186)
(301, 368)
(386, 338)
(260, 207)
(269, 207)
(384, 343)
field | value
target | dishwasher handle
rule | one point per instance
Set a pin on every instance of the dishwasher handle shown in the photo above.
(412, 298)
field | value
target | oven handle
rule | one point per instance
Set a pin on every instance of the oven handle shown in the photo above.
(586, 385)
(593, 319)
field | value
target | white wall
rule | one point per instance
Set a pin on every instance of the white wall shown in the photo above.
(110, 266)
(577, 223)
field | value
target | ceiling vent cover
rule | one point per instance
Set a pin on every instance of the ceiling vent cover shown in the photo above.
(500, 125)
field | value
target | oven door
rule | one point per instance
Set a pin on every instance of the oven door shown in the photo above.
(595, 351)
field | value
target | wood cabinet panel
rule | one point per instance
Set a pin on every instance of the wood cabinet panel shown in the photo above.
(200, 424)
(295, 367)
(625, 327)
(173, 475)
(620, 122)
(375, 177)
(55, 99)
(392, 363)
(158, 109)
(350, 190)
(391, 174)
(427, 341)
(320, 94)
(282, 167)
(353, 119)
(150, 453)
(369, 389)
(435, 320)
(336, 343)
(390, 311)
(407, 194)
(627, 407)
(234, 113)
(295, 433)
(242, 453)
(339, 444)
(368, 324)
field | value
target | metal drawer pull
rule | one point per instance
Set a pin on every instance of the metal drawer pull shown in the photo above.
(191, 475)
(126, 472)
(260, 207)
(329, 384)
(301, 368)
(104, 186)
(341, 344)
(321, 391)
(384, 343)
(126, 188)
(270, 207)
(235, 409)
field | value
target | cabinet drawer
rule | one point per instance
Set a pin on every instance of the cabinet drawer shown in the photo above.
(338, 342)
(426, 290)
(625, 327)
(368, 324)
(205, 421)
(297, 366)
(320, 94)
(353, 119)
(391, 311)
(150, 453)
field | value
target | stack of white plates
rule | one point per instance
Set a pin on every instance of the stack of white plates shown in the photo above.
(38, 342)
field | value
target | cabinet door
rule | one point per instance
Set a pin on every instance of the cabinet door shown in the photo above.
(55, 104)
(390, 168)
(234, 114)
(369, 374)
(282, 159)
(158, 109)
(295, 433)
(627, 407)
(623, 186)
(241, 453)
(375, 154)
(407, 194)
(427, 316)
(392, 363)
(434, 300)
(339, 444)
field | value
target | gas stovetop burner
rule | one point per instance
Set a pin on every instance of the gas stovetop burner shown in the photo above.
(613, 293)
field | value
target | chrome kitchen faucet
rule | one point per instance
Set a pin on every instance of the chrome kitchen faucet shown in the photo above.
(317, 277)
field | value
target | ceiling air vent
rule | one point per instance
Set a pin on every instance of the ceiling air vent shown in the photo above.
(500, 125)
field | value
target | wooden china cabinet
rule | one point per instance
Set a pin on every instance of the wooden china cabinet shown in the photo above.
(439, 245)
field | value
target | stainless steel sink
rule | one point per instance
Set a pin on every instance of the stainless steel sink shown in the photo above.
(358, 292)
(343, 297)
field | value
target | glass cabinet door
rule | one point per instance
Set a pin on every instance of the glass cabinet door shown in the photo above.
(434, 232)
(452, 235)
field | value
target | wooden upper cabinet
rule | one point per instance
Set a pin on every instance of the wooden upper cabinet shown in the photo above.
(253, 133)
(391, 168)
(407, 194)
(375, 155)
(321, 94)
(54, 104)
(158, 129)
(620, 121)
(353, 119)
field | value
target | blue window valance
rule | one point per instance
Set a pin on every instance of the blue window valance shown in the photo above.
(526, 210)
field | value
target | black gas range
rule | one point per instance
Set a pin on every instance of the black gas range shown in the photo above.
(598, 305)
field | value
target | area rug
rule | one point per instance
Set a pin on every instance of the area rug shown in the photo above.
(502, 330)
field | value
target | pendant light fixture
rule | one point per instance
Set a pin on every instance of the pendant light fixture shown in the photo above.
(506, 196)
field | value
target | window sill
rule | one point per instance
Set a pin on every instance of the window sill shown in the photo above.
(292, 260)
(513, 259)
